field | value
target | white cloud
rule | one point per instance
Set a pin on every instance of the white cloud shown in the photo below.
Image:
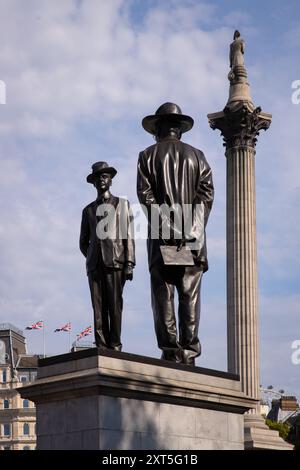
(71, 62)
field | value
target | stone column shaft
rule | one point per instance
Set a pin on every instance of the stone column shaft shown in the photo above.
(242, 305)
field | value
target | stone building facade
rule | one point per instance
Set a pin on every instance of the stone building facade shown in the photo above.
(17, 415)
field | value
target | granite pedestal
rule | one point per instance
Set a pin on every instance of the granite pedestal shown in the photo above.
(96, 400)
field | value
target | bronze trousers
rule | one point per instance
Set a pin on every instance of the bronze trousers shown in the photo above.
(187, 280)
(106, 286)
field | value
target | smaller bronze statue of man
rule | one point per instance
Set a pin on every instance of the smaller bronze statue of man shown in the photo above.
(107, 242)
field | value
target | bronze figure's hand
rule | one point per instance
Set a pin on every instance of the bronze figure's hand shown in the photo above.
(128, 270)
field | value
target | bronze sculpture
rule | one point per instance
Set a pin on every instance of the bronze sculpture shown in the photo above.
(174, 174)
(107, 242)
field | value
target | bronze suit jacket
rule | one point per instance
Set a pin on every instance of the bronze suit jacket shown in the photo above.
(119, 247)
(172, 172)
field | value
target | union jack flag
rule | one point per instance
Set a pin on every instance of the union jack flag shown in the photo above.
(35, 326)
(66, 327)
(87, 331)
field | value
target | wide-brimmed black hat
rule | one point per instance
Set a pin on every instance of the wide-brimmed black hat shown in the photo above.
(169, 111)
(98, 168)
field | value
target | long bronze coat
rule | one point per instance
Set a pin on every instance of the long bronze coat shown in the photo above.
(115, 251)
(172, 172)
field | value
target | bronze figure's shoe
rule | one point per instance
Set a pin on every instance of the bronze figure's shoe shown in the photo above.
(173, 356)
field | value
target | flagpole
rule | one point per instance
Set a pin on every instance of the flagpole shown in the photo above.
(69, 336)
(44, 347)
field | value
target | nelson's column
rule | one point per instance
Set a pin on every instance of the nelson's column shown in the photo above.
(240, 123)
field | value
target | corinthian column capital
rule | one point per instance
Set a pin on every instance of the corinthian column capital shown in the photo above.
(240, 125)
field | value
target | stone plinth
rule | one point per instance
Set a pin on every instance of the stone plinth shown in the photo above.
(93, 400)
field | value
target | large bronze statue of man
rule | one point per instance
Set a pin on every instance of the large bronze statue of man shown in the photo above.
(107, 242)
(175, 175)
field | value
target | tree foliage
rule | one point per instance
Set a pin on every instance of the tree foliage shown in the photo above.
(282, 428)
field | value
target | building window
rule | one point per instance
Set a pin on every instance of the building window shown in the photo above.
(25, 403)
(5, 404)
(4, 376)
(23, 378)
(33, 376)
(6, 429)
(26, 429)
(26, 448)
(6, 448)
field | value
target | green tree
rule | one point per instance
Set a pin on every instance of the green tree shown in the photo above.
(282, 428)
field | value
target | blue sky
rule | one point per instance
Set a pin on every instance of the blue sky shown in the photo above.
(80, 76)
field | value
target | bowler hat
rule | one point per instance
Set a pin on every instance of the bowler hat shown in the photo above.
(170, 111)
(98, 168)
